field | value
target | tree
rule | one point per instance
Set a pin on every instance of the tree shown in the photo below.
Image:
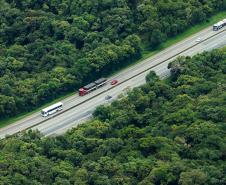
(81, 177)
(7, 106)
(151, 77)
(196, 177)
(156, 38)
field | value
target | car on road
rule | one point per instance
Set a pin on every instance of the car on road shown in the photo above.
(113, 82)
(198, 40)
(108, 97)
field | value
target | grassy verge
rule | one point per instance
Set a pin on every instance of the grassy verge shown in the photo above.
(146, 53)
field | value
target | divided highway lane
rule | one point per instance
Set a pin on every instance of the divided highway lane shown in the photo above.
(35, 118)
(73, 117)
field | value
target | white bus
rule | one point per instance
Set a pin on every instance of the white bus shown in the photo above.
(219, 25)
(52, 109)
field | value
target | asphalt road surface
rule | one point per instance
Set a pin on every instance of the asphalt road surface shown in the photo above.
(78, 109)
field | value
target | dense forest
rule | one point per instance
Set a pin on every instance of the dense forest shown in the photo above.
(54, 46)
(164, 132)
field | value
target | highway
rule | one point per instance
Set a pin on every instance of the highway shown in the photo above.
(78, 109)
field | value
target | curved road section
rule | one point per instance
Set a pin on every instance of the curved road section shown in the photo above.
(78, 109)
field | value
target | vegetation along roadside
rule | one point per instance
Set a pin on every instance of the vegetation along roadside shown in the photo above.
(161, 133)
(49, 49)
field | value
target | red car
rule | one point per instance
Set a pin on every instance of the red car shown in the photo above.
(113, 82)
